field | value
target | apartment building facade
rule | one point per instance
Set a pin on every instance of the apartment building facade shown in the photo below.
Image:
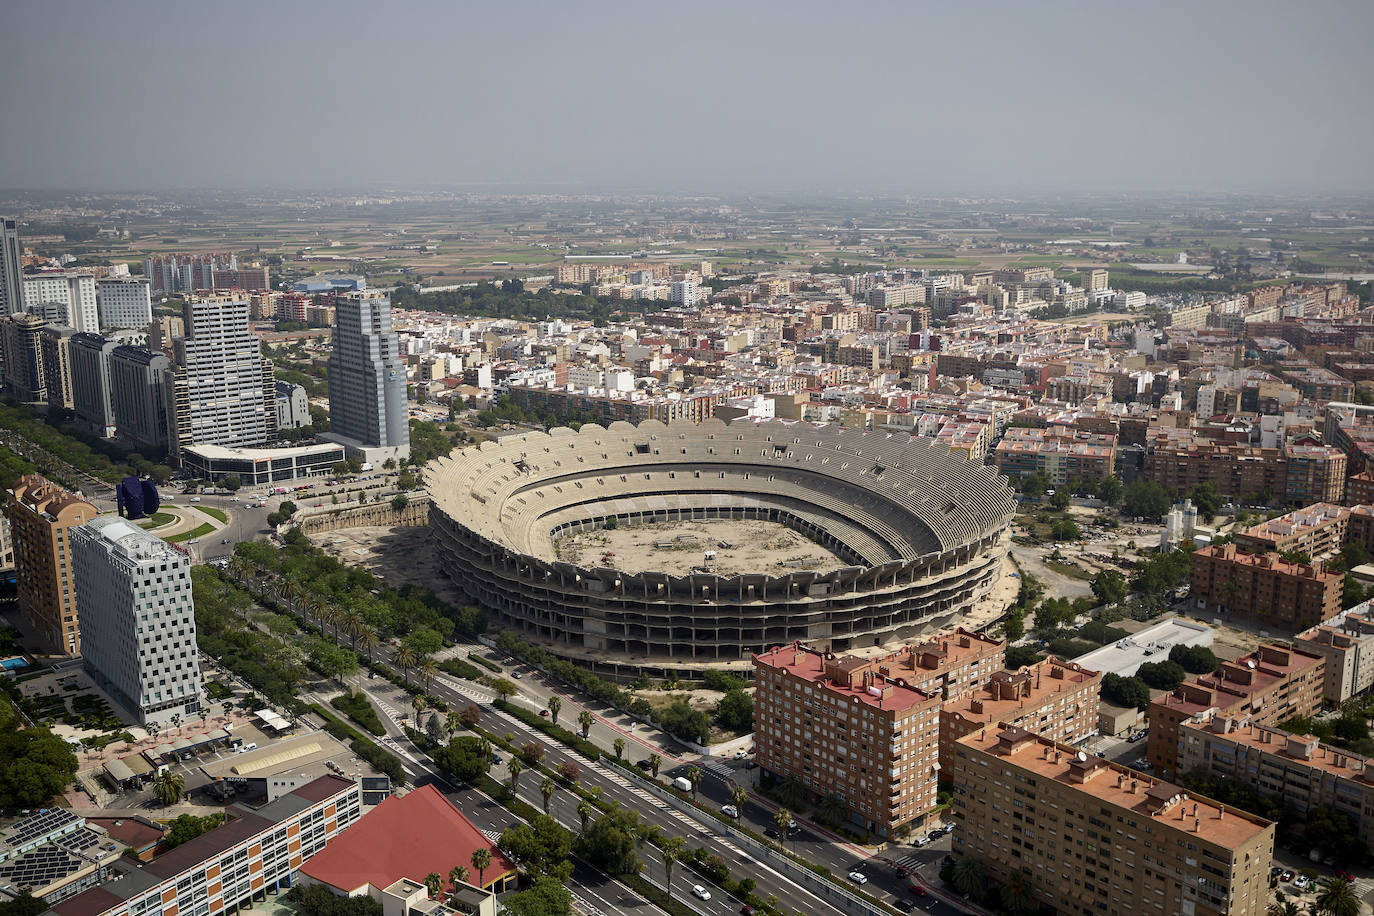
(221, 391)
(91, 397)
(1271, 684)
(1263, 587)
(1296, 768)
(1346, 641)
(844, 729)
(1053, 699)
(367, 380)
(138, 381)
(133, 594)
(124, 302)
(1092, 837)
(73, 292)
(259, 850)
(42, 515)
(1244, 471)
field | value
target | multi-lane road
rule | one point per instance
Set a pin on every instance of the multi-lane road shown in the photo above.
(812, 843)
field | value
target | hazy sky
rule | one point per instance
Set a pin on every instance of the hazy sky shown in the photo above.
(1000, 97)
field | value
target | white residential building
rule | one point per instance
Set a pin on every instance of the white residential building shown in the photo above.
(124, 302)
(133, 594)
(74, 291)
(684, 292)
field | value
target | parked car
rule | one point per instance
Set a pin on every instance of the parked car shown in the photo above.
(904, 905)
(729, 810)
(916, 889)
(1285, 876)
(700, 892)
(1301, 882)
(858, 877)
(772, 833)
(921, 841)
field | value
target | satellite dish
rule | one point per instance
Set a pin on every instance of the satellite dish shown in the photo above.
(1250, 664)
(1082, 757)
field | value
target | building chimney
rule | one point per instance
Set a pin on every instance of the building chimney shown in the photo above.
(1197, 825)
(1221, 812)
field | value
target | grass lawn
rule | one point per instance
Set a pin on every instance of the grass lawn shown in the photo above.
(1069, 569)
(218, 515)
(158, 520)
(188, 535)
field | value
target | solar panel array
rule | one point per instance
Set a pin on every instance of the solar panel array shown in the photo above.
(41, 824)
(50, 862)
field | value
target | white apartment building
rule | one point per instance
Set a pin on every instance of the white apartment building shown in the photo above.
(124, 302)
(684, 292)
(74, 291)
(222, 391)
(133, 594)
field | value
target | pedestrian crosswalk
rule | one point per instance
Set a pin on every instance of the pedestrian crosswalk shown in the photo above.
(719, 768)
(907, 862)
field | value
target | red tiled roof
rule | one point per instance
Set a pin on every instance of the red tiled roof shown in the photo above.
(404, 837)
(128, 831)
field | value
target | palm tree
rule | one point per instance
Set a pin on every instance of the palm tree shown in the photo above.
(1338, 899)
(967, 876)
(585, 720)
(330, 614)
(368, 637)
(353, 625)
(481, 860)
(555, 705)
(585, 810)
(619, 745)
(546, 789)
(405, 657)
(457, 875)
(291, 592)
(782, 819)
(694, 777)
(513, 766)
(238, 568)
(168, 787)
(454, 721)
(1284, 908)
(418, 703)
(433, 883)
(832, 808)
(655, 762)
(1017, 895)
(670, 852)
(427, 670)
(312, 609)
(739, 795)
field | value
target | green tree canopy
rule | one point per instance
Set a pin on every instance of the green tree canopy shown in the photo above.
(1125, 691)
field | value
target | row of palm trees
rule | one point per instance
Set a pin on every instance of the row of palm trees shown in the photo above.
(458, 874)
(346, 621)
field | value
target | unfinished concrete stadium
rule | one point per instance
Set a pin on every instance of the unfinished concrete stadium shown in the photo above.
(901, 538)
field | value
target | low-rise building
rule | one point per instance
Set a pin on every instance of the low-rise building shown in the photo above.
(257, 851)
(1060, 453)
(407, 836)
(53, 855)
(1090, 836)
(259, 466)
(1126, 655)
(1271, 684)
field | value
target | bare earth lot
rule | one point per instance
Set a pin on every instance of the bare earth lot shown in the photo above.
(681, 547)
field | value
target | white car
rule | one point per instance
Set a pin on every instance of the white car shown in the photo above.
(1302, 882)
(858, 877)
(921, 841)
(700, 892)
(729, 810)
